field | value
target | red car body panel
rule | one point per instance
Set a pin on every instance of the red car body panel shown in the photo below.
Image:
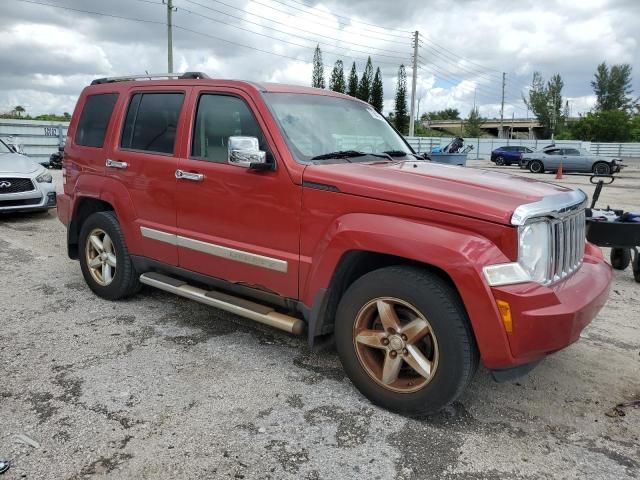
(454, 219)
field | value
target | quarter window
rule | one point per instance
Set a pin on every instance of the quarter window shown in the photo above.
(152, 121)
(219, 117)
(94, 119)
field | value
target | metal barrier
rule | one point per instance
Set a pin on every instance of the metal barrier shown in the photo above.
(482, 147)
(38, 138)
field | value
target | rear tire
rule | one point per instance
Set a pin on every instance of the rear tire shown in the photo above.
(104, 258)
(601, 168)
(536, 166)
(620, 258)
(448, 347)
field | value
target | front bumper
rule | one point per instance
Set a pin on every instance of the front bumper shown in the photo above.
(43, 197)
(549, 318)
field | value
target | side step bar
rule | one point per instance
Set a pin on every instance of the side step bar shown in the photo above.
(239, 306)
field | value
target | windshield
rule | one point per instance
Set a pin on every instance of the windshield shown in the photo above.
(316, 125)
(4, 148)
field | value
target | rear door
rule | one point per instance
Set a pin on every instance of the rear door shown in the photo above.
(234, 223)
(145, 162)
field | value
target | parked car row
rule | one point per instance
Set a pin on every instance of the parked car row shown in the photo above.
(551, 157)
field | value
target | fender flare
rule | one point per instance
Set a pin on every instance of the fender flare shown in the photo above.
(460, 254)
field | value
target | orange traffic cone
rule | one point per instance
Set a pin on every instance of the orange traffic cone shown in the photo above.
(559, 172)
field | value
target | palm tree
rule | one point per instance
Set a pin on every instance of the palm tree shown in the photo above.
(19, 110)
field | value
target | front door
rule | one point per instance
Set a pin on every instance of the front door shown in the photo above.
(145, 162)
(234, 223)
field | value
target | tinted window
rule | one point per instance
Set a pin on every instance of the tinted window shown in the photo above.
(94, 119)
(219, 117)
(553, 152)
(571, 151)
(152, 122)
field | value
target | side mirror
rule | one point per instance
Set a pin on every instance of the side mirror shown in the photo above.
(245, 152)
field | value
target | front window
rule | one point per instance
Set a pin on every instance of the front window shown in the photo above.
(316, 125)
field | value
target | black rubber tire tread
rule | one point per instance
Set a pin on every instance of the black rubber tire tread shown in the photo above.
(597, 164)
(442, 306)
(535, 162)
(620, 258)
(126, 280)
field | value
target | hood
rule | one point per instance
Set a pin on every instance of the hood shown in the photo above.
(492, 196)
(15, 163)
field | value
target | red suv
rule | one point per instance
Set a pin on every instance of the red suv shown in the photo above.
(305, 210)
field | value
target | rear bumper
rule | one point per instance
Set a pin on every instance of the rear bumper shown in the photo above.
(549, 318)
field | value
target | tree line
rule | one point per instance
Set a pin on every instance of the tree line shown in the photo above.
(367, 87)
(20, 113)
(615, 117)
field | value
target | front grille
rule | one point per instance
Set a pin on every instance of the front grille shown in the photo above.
(567, 245)
(20, 203)
(16, 185)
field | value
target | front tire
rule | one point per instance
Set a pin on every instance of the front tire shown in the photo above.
(601, 168)
(404, 340)
(536, 166)
(500, 161)
(104, 258)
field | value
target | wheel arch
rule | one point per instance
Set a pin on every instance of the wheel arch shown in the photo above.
(85, 207)
(453, 254)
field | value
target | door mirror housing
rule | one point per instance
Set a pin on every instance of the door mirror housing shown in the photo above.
(245, 152)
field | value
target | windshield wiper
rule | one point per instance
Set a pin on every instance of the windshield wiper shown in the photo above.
(339, 154)
(396, 153)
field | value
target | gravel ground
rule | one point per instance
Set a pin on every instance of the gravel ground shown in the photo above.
(161, 387)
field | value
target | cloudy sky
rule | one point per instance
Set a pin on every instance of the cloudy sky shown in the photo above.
(48, 54)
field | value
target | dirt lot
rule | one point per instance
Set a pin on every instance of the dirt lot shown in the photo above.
(160, 387)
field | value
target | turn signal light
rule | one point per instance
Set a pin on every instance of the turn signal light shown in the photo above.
(505, 314)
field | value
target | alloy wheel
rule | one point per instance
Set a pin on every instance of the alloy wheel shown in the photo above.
(101, 257)
(395, 345)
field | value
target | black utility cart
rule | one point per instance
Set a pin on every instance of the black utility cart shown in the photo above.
(622, 236)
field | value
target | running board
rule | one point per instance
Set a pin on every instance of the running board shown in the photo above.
(239, 306)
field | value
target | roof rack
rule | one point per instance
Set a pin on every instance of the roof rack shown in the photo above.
(151, 76)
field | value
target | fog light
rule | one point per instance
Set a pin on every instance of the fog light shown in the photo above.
(51, 199)
(505, 314)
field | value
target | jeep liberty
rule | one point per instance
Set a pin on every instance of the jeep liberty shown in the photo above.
(303, 209)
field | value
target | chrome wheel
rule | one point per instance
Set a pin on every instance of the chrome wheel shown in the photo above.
(395, 345)
(101, 257)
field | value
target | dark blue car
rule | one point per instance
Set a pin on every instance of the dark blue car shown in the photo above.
(509, 154)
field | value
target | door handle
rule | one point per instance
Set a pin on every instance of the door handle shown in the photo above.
(115, 164)
(194, 177)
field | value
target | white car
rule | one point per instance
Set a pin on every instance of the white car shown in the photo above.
(24, 184)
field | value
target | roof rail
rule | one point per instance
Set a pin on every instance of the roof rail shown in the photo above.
(151, 76)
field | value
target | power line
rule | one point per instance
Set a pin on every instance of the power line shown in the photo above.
(285, 33)
(121, 17)
(351, 21)
(242, 19)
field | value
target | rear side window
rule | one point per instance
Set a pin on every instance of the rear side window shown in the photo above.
(152, 122)
(571, 151)
(94, 119)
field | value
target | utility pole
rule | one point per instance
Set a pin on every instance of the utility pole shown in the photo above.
(170, 10)
(504, 81)
(412, 119)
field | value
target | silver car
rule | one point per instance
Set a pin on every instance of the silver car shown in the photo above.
(24, 184)
(572, 160)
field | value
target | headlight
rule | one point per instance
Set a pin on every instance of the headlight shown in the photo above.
(533, 250)
(44, 177)
(533, 258)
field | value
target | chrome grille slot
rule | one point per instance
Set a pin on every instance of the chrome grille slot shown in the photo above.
(567, 245)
